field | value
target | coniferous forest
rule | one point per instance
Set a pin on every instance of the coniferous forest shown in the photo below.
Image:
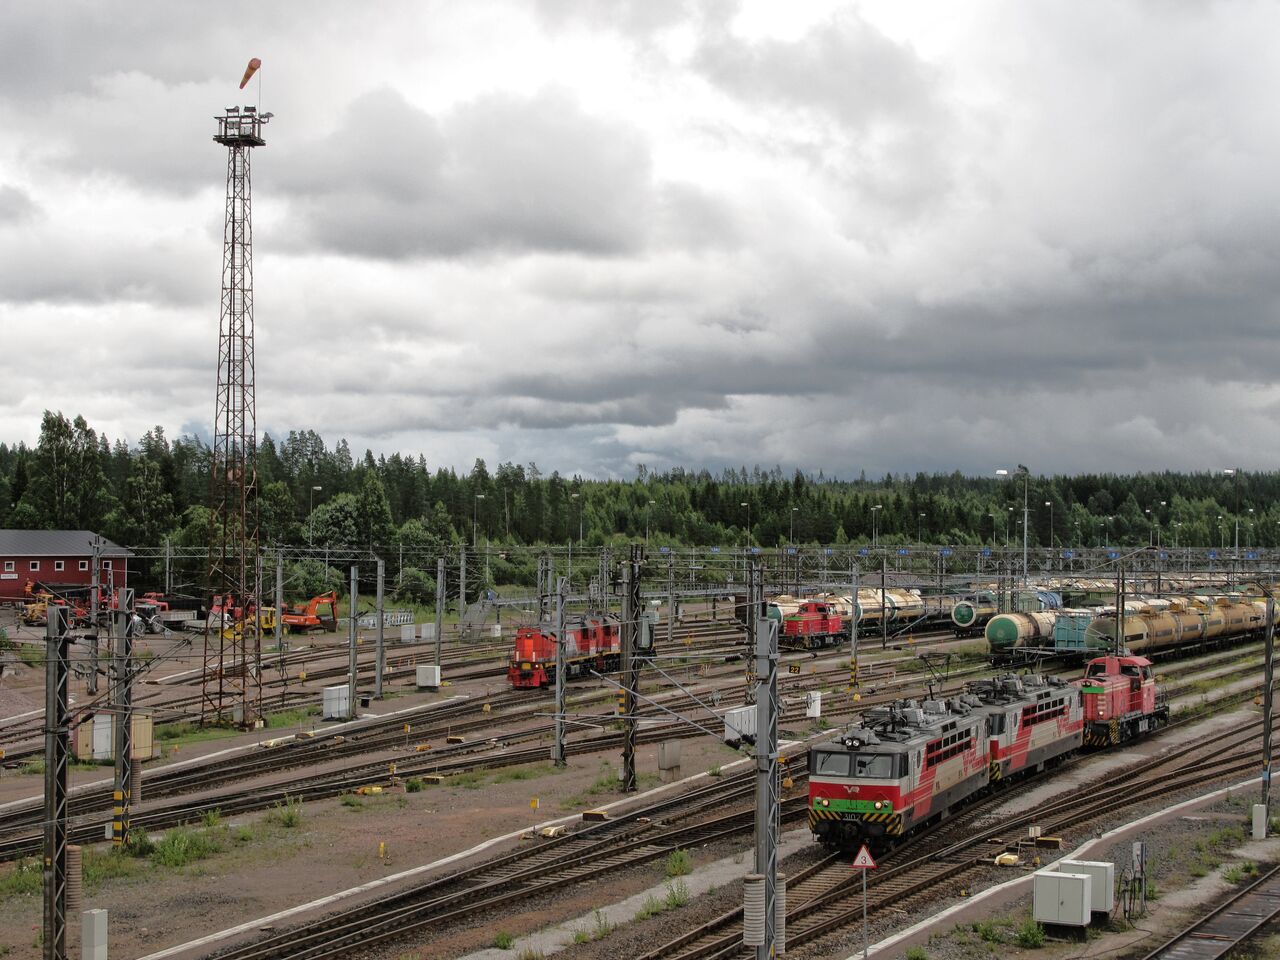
(314, 493)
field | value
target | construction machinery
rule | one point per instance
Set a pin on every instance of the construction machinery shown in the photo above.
(318, 613)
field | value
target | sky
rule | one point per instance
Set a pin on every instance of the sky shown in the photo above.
(908, 236)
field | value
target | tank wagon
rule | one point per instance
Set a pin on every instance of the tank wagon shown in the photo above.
(970, 615)
(906, 765)
(1008, 630)
(591, 643)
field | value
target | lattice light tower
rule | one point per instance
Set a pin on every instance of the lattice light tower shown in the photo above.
(232, 682)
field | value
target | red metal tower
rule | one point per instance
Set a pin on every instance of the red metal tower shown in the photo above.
(232, 684)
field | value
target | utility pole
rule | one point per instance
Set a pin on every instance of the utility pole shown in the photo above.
(1269, 675)
(380, 656)
(768, 801)
(671, 603)
(279, 627)
(351, 643)
(440, 602)
(884, 604)
(122, 708)
(604, 580)
(630, 665)
(462, 583)
(56, 762)
(557, 751)
(94, 612)
(854, 612)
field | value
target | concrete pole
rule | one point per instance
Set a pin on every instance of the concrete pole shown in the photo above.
(557, 751)
(671, 604)
(380, 665)
(853, 623)
(351, 643)
(440, 602)
(630, 665)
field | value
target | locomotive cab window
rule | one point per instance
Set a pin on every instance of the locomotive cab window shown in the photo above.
(832, 764)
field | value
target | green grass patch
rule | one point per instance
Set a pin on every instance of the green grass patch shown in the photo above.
(917, 953)
(182, 846)
(211, 818)
(472, 780)
(183, 733)
(679, 863)
(504, 940)
(525, 773)
(24, 880)
(414, 785)
(1030, 935)
(677, 895)
(114, 864)
(296, 717)
(352, 802)
(287, 813)
(1239, 872)
(32, 767)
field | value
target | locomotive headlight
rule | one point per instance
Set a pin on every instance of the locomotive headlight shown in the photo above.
(825, 802)
(878, 804)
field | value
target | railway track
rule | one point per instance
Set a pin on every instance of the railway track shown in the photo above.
(819, 896)
(1228, 926)
(637, 837)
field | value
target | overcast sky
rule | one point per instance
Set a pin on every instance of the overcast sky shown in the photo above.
(841, 236)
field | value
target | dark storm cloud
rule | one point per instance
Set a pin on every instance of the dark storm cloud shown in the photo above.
(501, 173)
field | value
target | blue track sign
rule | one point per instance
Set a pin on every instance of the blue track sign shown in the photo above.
(828, 551)
(791, 550)
(1067, 554)
(1113, 554)
(1250, 555)
(1213, 554)
(664, 549)
(1164, 555)
(903, 551)
(986, 551)
(715, 549)
(755, 549)
(945, 551)
(864, 552)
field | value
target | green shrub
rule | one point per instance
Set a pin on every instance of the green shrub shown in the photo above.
(651, 907)
(581, 936)
(504, 940)
(528, 953)
(140, 843)
(917, 953)
(677, 894)
(32, 767)
(603, 926)
(181, 846)
(352, 802)
(414, 785)
(1030, 935)
(715, 771)
(987, 930)
(679, 863)
(287, 813)
(211, 818)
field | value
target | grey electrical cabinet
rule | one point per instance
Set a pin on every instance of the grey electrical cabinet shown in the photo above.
(1063, 898)
(1103, 888)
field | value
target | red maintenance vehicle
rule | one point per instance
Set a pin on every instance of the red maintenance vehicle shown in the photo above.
(1121, 701)
(815, 624)
(591, 643)
(318, 613)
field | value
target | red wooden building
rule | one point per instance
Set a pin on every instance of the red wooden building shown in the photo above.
(57, 559)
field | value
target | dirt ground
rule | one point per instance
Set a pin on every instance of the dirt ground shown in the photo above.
(263, 866)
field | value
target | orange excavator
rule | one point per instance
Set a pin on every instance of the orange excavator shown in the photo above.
(308, 616)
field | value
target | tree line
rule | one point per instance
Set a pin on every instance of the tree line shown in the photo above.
(311, 493)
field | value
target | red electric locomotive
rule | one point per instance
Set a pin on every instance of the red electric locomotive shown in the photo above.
(1121, 701)
(1032, 720)
(815, 624)
(906, 767)
(591, 643)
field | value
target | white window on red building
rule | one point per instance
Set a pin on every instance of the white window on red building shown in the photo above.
(59, 566)
(35, 565)
(8, 566)
(84, 565)
(106, 564)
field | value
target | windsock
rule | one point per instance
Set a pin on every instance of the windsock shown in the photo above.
(250, 70)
